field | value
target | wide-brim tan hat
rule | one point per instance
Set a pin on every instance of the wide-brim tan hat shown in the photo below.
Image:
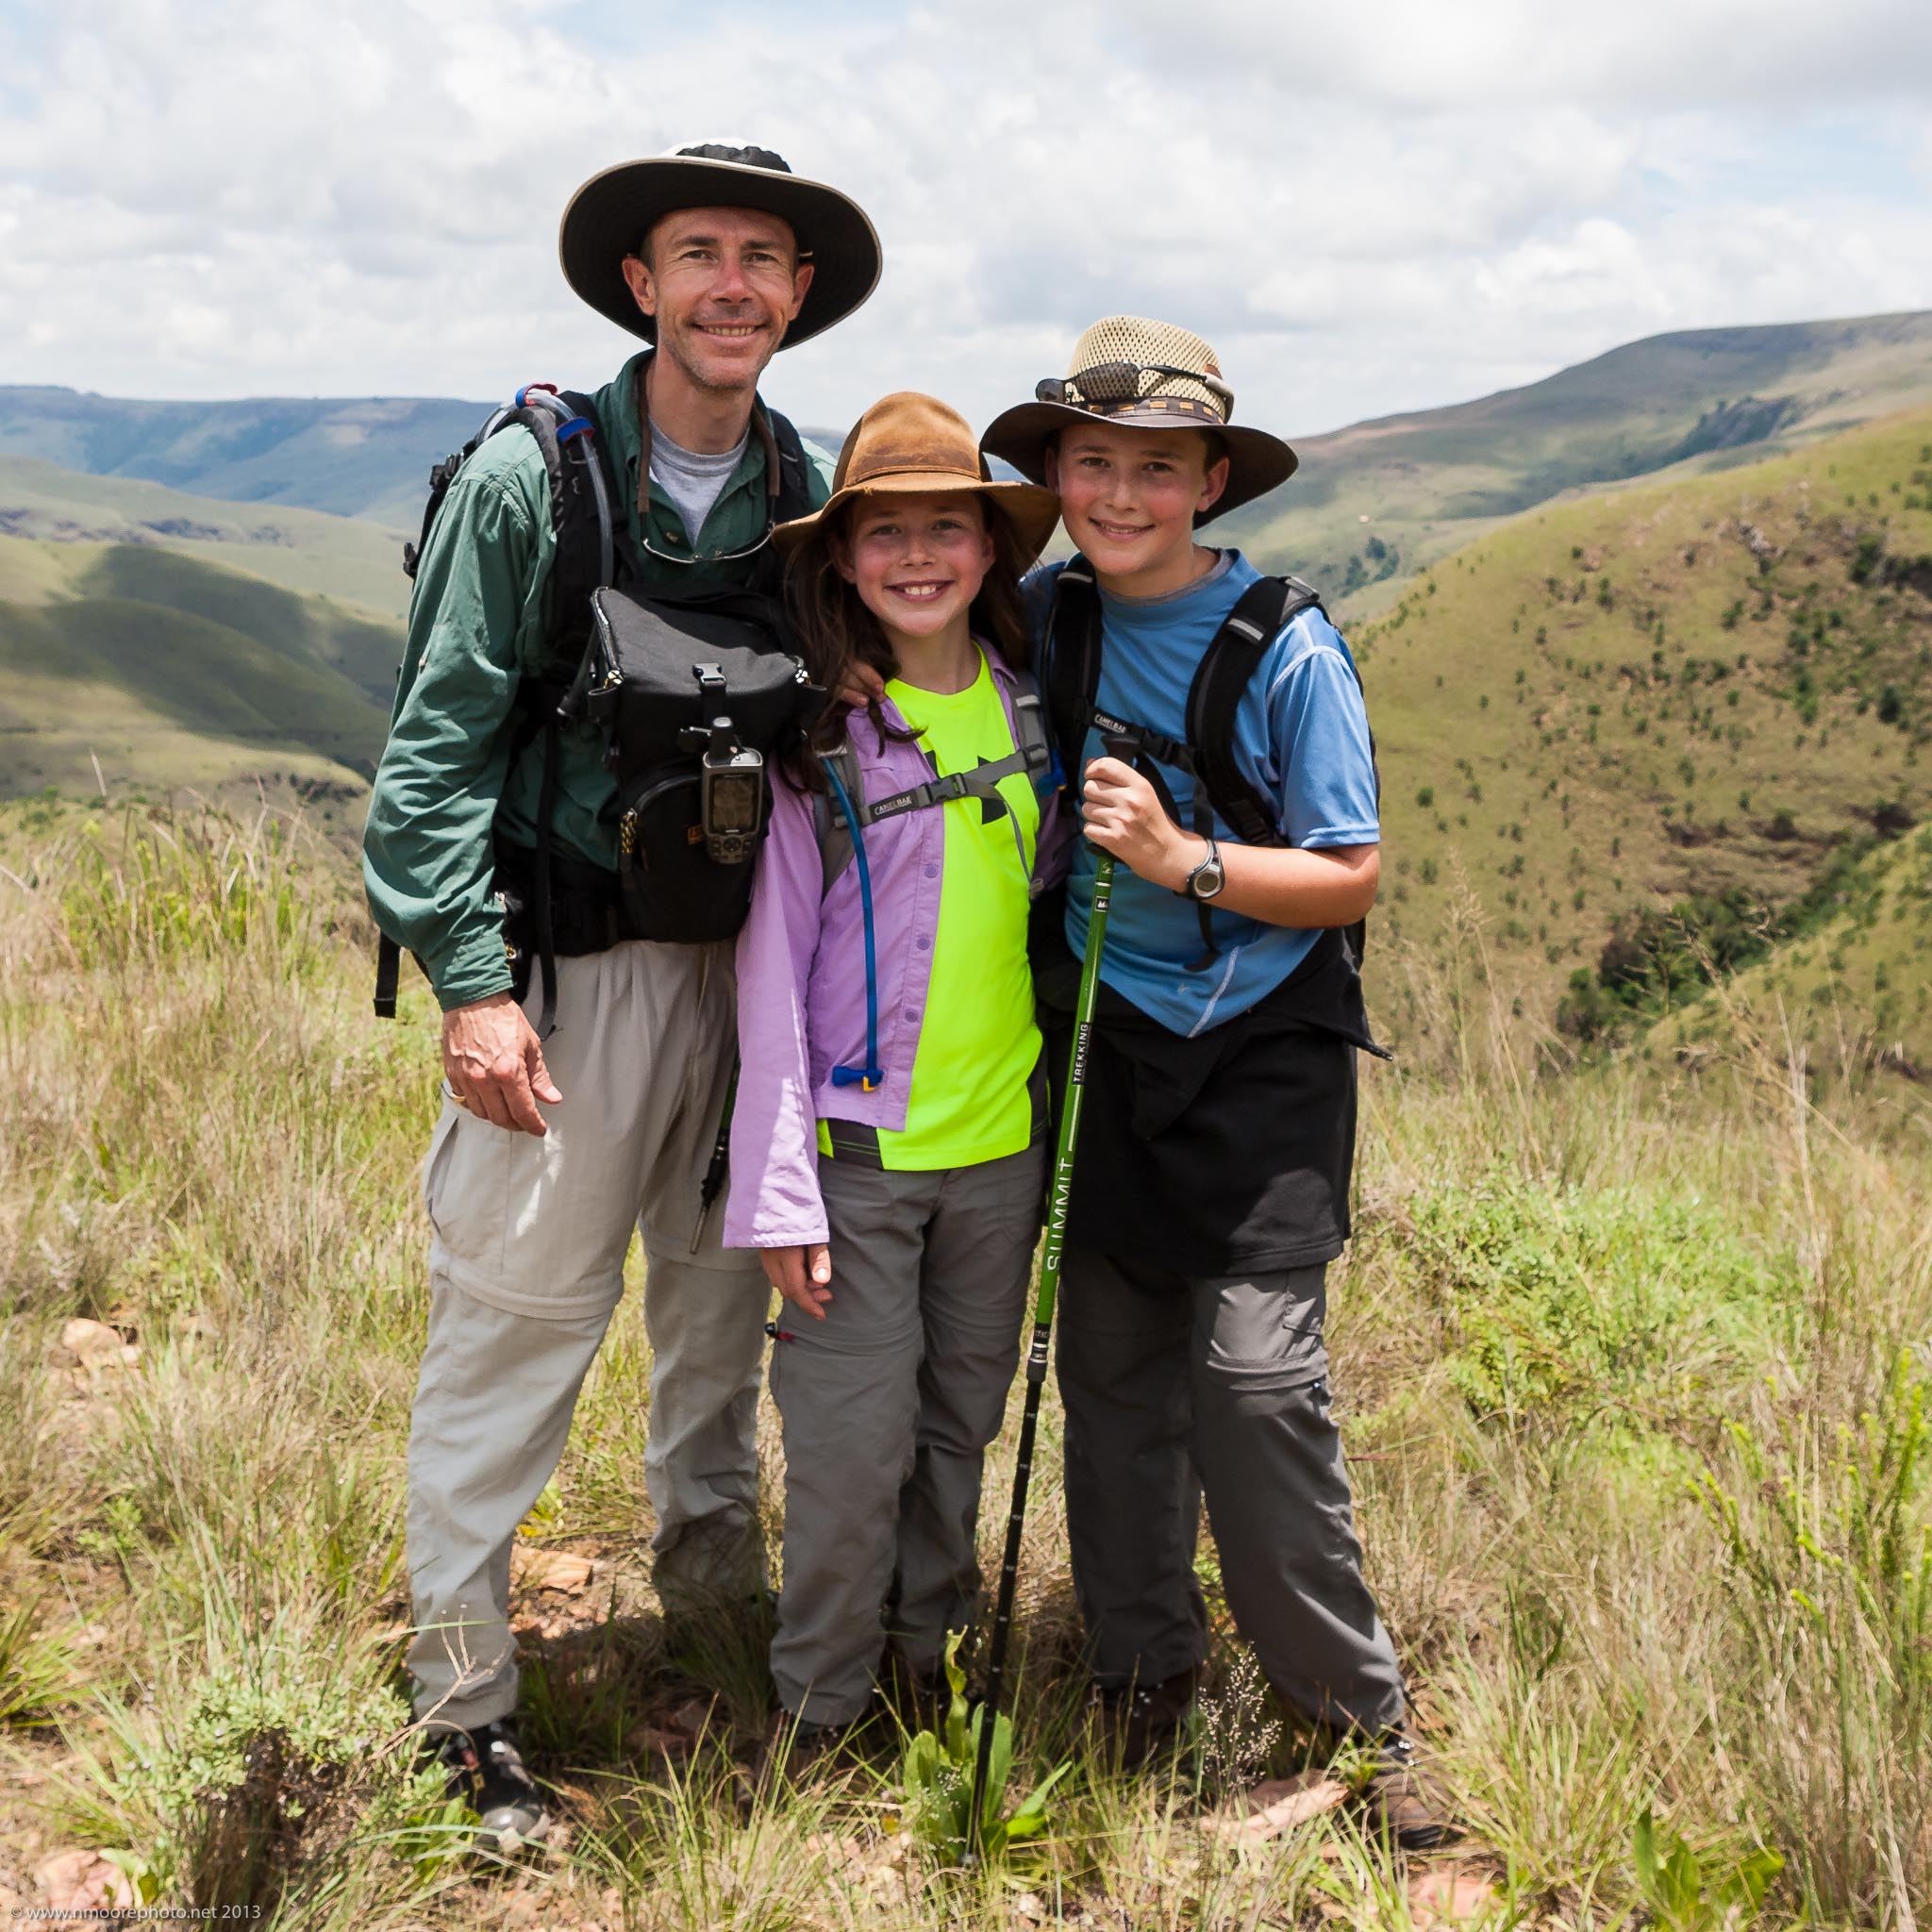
(915, 445)
(613, 211)
(1132, 373)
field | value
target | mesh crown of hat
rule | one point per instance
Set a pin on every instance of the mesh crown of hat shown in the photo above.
(1134, 338)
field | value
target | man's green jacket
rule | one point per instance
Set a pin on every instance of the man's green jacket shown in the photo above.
(477, 622)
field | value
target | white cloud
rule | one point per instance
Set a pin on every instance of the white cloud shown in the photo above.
(1368, 208)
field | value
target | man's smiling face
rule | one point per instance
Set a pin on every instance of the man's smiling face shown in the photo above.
(721, 284)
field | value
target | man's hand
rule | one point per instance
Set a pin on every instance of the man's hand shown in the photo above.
(1123, 815)
(494, 1063)
(800, 1274)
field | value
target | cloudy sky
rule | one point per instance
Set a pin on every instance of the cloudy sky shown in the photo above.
(1368, 207)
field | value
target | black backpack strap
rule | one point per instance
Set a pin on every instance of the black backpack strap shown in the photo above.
(1071, 677)
(389, 971)
(795, 470)
(1264, 609)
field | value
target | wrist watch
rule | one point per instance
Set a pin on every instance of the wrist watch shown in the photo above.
(1206, 879)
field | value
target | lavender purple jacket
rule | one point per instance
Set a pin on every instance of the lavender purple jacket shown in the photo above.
(801, 981)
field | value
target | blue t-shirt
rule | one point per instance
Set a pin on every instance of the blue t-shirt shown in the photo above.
(1302, 738)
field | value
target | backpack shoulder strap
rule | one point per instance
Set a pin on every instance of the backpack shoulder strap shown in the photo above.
(1227, 669)
(795, 469)
(1070, 678)
(834, 828)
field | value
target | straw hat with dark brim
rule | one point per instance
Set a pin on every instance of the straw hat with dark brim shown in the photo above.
(915, 445)
(1143, 374)
(613, 211)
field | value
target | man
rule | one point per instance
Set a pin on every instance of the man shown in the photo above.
(549, 1152)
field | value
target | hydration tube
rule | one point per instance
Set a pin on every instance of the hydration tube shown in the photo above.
(872, 1074)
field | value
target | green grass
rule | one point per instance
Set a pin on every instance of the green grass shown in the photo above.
(1625, 1364)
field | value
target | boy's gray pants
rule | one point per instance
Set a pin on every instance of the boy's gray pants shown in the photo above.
(525, 1268)
(888, 1405)
(1175, 1386)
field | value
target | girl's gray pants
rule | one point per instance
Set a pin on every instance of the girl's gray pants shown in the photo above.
(888, 1405)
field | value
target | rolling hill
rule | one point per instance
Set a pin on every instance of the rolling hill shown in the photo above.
(352, 559)
(1668, 693)
(159, 670)
(1374, 503)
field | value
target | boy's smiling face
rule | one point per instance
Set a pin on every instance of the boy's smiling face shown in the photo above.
(1130, 495)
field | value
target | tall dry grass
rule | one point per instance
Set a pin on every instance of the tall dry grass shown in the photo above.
(1632, 1367)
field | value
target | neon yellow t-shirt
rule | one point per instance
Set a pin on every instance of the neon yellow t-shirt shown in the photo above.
(978, 1044)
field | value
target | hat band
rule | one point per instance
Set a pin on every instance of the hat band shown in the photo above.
(1160, 406)
(916, 463)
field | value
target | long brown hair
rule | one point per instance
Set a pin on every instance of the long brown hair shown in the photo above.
(834, 630)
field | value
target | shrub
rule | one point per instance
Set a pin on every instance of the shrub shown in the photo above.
(1573, 1308)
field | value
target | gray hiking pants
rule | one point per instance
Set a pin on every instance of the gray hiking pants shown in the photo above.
(1177, 1386)
(888, 1405)
(525, 1268)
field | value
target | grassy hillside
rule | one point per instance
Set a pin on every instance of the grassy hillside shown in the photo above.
(1621, 703)
(367, 456)
(1374, 503)
(351, 560)
(168, 671)
(1855, 983)
(1628, 1377)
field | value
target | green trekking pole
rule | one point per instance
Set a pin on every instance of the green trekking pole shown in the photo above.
(1042, 1321)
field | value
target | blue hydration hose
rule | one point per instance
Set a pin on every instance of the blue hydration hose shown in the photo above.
(872, 1074)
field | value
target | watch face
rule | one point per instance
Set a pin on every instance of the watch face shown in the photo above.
(1209, 879)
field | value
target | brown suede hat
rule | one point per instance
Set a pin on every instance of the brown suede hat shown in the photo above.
(612, 212)
(916, 445)
(1151, 375)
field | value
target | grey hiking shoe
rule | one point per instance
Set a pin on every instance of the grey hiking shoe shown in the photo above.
(1406, 1805)
(486, 1770)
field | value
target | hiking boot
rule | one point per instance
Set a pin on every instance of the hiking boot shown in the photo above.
(1406, 1805)
(1143, 1721)
(799, 1750)
(486, 1770)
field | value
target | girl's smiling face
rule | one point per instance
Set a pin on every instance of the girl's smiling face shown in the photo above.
(917, 562)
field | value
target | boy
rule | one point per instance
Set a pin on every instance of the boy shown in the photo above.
(1211, 1188)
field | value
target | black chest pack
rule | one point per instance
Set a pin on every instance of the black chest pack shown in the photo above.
(691, 693)
(1207, 752)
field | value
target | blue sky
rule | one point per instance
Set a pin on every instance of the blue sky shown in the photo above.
(1368, 208)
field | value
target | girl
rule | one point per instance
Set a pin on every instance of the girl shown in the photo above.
(887, 1149)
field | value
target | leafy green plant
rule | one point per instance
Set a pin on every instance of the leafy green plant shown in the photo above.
(937, 1774)
(1687, 1894)
(1566, 1306)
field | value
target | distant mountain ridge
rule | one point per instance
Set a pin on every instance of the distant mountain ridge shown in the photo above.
(1377, 501)
(364, 456)
(1372, 503)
